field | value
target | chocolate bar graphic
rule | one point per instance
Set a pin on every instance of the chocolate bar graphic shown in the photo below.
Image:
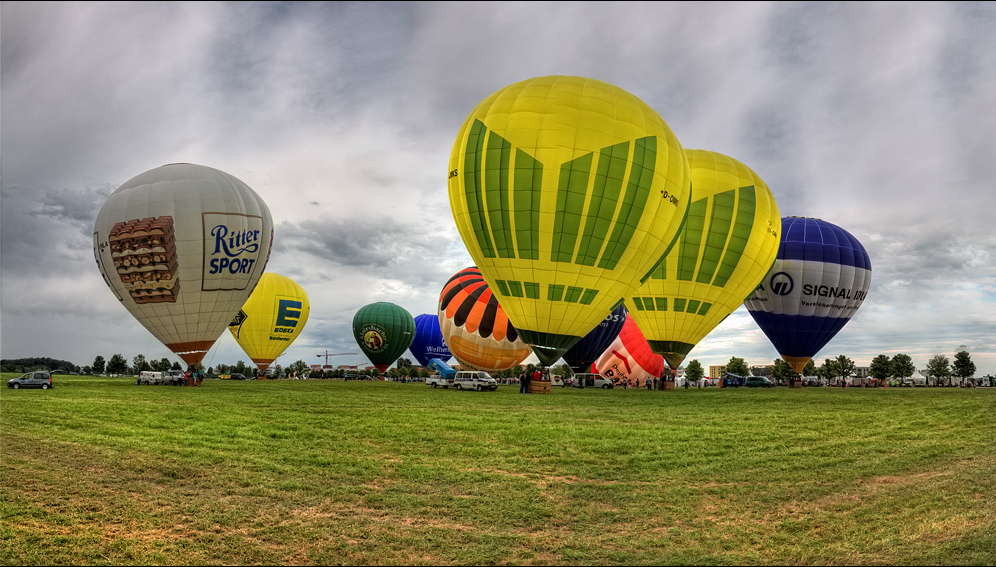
(144, 255)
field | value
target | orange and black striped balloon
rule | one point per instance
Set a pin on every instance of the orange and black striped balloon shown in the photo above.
(475, 326)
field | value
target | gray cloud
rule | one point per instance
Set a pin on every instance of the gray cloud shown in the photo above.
(381, 242)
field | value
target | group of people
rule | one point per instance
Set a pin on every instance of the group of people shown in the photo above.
(650, 383)
(538, 376)
(193, 376)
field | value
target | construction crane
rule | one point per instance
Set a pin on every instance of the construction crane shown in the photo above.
(327, 354)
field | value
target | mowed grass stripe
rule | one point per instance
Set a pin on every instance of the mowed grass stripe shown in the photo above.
(102, 471)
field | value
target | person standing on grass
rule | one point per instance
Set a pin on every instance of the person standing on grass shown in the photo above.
(523, 384)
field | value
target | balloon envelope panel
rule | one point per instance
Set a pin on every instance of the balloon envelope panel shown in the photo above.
(475, 327)
(384, 332)
(271, 319)
(630, 356)
(818, 281)
(727, 245)
(580, 356)
(566, 192)
(428, 342)
(182, 247)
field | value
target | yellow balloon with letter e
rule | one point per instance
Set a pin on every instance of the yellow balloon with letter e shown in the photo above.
(271, 319)
(725, 249)
(567, 191)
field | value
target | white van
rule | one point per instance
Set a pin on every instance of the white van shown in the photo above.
(150, 377)
(474, 380)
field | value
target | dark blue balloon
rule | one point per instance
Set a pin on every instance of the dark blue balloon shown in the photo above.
(428, 342)
(587, 350)
(817, 282)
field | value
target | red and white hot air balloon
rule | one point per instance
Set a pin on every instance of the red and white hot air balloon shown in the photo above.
(629, 357)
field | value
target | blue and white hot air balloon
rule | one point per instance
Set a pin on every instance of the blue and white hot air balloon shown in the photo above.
(428, 342)
(819, 279)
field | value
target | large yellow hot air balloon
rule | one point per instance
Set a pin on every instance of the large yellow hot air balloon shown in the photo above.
(182, 246)
(728, 244)
(566, 191)
(271, 319)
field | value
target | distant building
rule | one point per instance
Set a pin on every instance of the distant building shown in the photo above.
(762, 370)
(717, 372)
(862, 372)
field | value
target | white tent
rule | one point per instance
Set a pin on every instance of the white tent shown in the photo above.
(917, 379)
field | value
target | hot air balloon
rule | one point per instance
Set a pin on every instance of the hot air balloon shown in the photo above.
(182, 247)
(272, 317)
(475, 327)
(630, 357)
(819, 279)
(724, 250)
(428, 343)
(584, 352)
(384, 331)
(566, 191)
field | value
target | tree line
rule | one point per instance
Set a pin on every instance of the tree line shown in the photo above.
(882, 368)
(22, 365)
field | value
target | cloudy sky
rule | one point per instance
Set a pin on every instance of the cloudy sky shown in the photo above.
(877, 117)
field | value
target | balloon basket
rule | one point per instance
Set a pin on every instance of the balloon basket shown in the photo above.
(668, 385)
(797, 384)
(539, 387)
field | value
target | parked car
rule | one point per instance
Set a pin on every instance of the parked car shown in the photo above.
(239, 377)
(150, 377)
(587, 380)
(474, 380)
(41, 380)
(758, 382)
(437, 380)
(173, 377)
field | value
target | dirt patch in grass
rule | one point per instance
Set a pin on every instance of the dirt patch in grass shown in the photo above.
(868, 487)
(889, 480)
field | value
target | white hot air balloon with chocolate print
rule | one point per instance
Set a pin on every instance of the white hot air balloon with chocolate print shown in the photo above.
(181, 247)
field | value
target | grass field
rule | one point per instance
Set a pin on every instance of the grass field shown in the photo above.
(100, 471)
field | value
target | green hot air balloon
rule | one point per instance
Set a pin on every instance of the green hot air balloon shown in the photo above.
(384, 331)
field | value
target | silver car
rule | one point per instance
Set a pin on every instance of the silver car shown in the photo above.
(587, 380)
(41, 380)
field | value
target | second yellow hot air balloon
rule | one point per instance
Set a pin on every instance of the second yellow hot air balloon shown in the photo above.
(271, 319)
(566, 191)
(725, 249)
